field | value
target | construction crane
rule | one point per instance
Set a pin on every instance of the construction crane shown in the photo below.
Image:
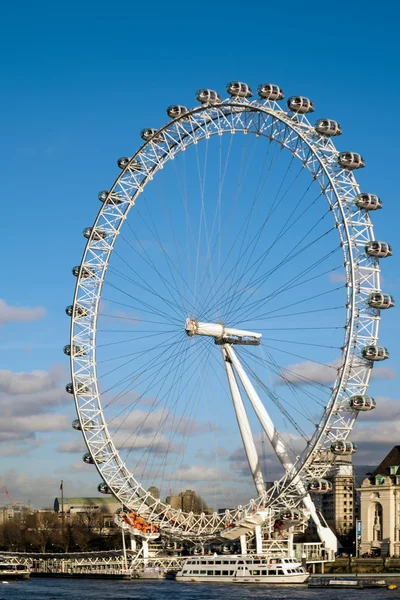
(3, 487)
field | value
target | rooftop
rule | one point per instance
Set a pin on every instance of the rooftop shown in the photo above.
(391, 460)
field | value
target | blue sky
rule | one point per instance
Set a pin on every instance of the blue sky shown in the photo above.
(79, 83)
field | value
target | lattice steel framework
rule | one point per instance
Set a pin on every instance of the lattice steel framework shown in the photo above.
(339, 186)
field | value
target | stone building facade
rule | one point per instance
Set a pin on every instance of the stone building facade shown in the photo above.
(380, 507)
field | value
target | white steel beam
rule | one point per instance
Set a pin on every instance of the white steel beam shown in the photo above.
(325, 534)
(244, 426)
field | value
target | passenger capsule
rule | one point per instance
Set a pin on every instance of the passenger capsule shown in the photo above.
(319, 486)
(351, 160)
(152, 134)
(300, 104)
(90, 460)
(328, 127)
(78, 312)
(380, 300)
(80, 388)
(98, 234)
(375, 353)
(103, 488)
(341, 448)
(76, 350)
(83, 272)
(105, 196)
(289, 518)
(239, 89)
(378, 249)
(88, 424)
(125, 161)
(368, 201)
(362, 403)
(175, 111)
(270, 91)
(208, 97)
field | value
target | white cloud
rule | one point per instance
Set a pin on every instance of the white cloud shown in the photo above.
(41, 490)
(30, 404)
(10, 314)
(26, 382)
(195, 473)
(307, 371)
(154, 443)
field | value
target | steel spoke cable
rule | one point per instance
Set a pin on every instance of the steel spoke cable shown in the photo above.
(270, 246)
(234, 241)
(137, 308)
(145, 285)
(150, 263)
(289, 257)
(291, 284)
(157, 400)
(152, 362)
(155, 382)
(274, 206)
(301, 301)
(133, 356)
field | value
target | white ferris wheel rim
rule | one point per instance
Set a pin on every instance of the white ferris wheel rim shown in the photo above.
(319, 156)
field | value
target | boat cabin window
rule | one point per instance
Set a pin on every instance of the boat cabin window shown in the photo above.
(272, 572)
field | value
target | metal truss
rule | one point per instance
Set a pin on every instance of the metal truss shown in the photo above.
(317, 154)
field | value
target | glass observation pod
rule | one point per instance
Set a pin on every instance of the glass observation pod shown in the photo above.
(86, 425)
(74, 350)
(152, 134)
(343, 448)
(78, 312)
(319, 486)
(175, 111)
(105, 196)
(98, 234)
(378, 249)
(270, 91)
(300, 104)
(375, 353)
(380, 300)
(134, 165)
(328, 127)
(239, 89)
(84, 272)
(208, 97)
(89, 460)
(351, 160)
(290, 516)
(368, 201)
(80, 389)
(103, 488)
(362, 403)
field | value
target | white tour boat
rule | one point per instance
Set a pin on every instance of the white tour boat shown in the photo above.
(242, 568)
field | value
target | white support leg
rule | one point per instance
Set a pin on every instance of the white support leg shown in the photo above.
(258, 535)
(133, 543)
(145, 547)
(244, 426)
(290, 544)
(325, 533)
(243, 544)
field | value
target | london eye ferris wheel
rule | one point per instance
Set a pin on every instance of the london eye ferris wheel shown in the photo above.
(229, 293)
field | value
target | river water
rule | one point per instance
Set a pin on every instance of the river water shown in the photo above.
(74, 589)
